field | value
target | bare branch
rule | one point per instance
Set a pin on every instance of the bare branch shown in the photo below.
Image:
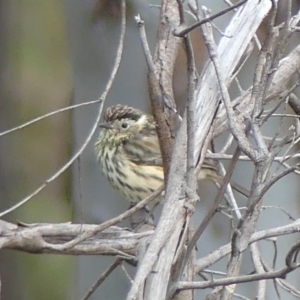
(216, 255)
(113, 221)
(234, 280)
(160, 81)
(94, 128)
(241, 29)
(44, 238)
(101, 279)
(40, 118)
(256, 258)
(182, 32)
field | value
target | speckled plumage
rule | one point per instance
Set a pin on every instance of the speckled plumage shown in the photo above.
(119, 111)
(130, 157)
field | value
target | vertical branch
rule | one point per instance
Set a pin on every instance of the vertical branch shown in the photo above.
(259, 268)
(160, 80)
(153, 274)
(191, 115)
(184, 266)
(263, 65)
(247, 224)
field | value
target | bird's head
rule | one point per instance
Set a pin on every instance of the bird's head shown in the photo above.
(123, 122)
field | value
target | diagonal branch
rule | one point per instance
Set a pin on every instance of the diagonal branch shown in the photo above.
(237, 37)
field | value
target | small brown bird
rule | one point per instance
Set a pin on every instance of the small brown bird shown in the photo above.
(129, 152)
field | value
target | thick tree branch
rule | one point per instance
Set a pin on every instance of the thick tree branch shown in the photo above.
(237, 36)
(44, 238)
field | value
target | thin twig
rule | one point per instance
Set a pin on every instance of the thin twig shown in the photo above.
(234, 280)
(101, 279)
(256, 258)
(94, 128)
(110, 222)
(40, 118)
(126, 273)
(182, 32)
(217, 254)
(215, 206)
(146, 48)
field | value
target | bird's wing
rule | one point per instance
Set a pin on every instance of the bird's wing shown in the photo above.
(143, 150)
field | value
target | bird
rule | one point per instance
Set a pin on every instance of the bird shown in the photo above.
(129, 153)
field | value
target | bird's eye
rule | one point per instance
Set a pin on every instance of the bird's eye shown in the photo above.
(124, 125)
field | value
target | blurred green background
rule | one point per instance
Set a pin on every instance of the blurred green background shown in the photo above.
(35, 79)
(55, 53)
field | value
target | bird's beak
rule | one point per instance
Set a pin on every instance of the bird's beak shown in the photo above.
(106, 126)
